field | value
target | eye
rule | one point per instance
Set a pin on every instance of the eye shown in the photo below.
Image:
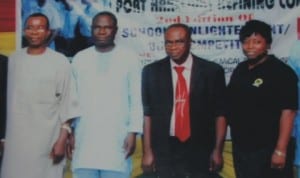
(180, 42)
(102, 27)
(36, 28)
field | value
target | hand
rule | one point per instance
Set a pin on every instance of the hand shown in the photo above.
(148, 162)
(216, 161)
(70, 146)
(129, 145)
(58, 151)
(278, 161)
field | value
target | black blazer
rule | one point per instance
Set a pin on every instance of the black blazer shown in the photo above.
(207, 90)
(3, 81)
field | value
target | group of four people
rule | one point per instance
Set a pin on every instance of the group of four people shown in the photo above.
(183, 98)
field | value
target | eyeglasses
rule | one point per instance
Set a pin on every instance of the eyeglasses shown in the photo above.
(180, 43)
(40, 28)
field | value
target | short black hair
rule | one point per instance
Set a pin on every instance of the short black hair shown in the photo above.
(256, 27)
(181, 25)
(106, 13)
(38, 14)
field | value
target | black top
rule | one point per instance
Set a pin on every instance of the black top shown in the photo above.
(256, 98)
(3, 81)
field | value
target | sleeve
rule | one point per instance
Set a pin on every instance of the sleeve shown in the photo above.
(69, 102)
(220, 89)
(288, 89)
(3, 82)
(145, 98)
(135, 100)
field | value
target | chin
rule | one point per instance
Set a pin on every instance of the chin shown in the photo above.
(251, 57)
(101, 44)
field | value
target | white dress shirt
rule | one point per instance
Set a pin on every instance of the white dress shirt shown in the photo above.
(187, 76)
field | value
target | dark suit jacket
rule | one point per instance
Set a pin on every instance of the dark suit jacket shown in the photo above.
(3, 81)
(207, 89)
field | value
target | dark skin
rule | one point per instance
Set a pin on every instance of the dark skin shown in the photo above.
(103, 33)
(54, 32)
(36, 33)
(177, 44)
(254, 46)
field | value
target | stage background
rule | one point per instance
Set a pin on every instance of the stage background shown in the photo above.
(215, 24)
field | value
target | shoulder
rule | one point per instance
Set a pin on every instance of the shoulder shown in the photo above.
(206, 64)
(157, 64)
(83, 55)
(275, 62)
(281, 68)
(3, 59)
(3, 62)
(18, 53)
(56, 57)
(126, 54)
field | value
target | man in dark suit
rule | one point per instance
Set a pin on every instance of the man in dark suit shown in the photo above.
(3, 80)
(198, 153)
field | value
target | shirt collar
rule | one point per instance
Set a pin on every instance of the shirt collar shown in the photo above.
(187, 64)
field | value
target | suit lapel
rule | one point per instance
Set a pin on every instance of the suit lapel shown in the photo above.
(166, 83)
(197, 77)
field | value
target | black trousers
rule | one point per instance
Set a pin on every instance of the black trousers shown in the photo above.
(258, 163)
(183, 162)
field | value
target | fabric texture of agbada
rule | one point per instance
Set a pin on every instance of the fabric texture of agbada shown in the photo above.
(109, 87)
(41, 96)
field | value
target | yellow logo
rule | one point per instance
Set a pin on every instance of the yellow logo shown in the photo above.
(257, 82)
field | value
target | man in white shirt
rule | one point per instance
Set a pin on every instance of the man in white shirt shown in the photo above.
(109, 86)
(41, 101)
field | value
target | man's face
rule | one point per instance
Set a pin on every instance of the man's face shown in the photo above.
(103, 31)
(177, 44)
(36, 32)
(254, 45)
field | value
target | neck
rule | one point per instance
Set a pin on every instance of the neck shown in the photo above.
(36, 51)
(256, 61)
(103, 49)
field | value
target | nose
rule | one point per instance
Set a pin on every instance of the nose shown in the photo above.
(248, 45)
(171, 45)
(101, 30)
(34, 31)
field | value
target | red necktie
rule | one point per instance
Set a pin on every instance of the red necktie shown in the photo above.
(182, 108)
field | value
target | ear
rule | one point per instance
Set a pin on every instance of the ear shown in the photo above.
(116, 29)
(48, 33)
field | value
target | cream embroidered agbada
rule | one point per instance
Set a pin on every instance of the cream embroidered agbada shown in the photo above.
(40, 98)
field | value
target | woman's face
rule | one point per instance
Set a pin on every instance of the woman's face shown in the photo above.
(254, 46)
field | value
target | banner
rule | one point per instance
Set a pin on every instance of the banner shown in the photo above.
(215, 24)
